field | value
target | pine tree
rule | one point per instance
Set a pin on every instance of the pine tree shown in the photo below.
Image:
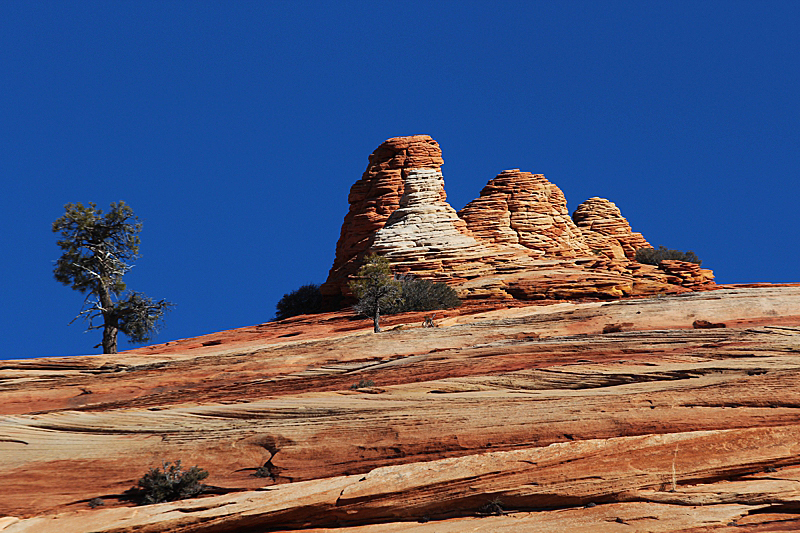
(98, 250)
(376, 289)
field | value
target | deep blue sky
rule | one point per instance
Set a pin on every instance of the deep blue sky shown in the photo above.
(235, 129)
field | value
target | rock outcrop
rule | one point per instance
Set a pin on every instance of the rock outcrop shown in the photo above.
(523, 209)
(375, 197)
(515, 241)
(399, 210)
(425, 237)
(687, 274)
(658, 427)
(606, 231)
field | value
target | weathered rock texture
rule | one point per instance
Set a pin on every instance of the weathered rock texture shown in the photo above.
(376, 196)
(415, 227)
(606, 230)
(524, 209)
(687, 274)
(424, 236)
(516, 241)
(661, 426)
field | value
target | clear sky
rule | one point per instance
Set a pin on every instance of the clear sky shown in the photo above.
(235, 130)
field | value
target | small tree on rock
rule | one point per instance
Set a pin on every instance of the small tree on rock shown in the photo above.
(98, 250)
(376, 289)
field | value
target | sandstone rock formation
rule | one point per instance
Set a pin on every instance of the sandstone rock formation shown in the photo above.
(606, 230)
(687, 274)
(524, 209)
(424, 236)
(658, 427)
(516, 241)
(375, 196)
(415, 227)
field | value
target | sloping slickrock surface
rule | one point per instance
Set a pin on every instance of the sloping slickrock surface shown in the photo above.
(531, 413)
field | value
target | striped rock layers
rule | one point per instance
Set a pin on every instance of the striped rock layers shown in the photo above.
(687, 274)
(399, 210)
(606, 230)
(523, 209)
(374, 197)
(516, 240)
(424, 236)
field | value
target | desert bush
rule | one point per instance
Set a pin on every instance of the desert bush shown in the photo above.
(303, 301)
(264, 470)
(170, 484)
(380, 292)
(94, 503)
(363, 384)
(493, 507)
(651, 256)
(425, 295)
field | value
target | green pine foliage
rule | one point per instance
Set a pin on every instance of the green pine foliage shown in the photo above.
(651, 256)
(170, 484)
(380, 292)
(376, 289)
(96, 245)
(98, 249)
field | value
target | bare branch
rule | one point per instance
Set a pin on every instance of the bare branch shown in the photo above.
(89, 270)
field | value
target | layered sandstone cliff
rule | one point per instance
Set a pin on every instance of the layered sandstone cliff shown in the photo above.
(399, 210)
(523, 209)
(606, 231)
(375, 196)
(516, 240)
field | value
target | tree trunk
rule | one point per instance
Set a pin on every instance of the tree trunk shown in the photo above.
(376, 320)
(109, 336)
(110, 324)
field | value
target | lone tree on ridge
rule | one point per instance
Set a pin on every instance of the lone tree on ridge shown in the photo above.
(98, 250)
(376, 289)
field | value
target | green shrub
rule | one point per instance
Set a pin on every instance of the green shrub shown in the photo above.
(425, 295)
(363, 384)
(94, 503)
(264, 470)
(376, 289)
(170, 484)
(651, 256)
(303, 301)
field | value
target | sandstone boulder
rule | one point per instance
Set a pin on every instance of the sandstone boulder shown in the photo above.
(687, 274)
